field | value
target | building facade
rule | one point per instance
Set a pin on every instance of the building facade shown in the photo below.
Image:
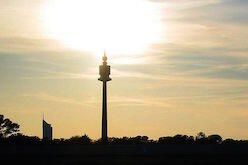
(47, 131)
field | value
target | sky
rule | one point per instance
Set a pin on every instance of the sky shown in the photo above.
(177, 67)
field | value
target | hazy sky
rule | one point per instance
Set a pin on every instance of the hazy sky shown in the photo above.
(192, 77)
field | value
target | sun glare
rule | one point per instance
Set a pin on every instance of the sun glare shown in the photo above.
(118, 26)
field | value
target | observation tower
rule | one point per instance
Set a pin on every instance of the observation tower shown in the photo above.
(104, 71)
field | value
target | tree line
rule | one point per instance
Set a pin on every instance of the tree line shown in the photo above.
(9, 134)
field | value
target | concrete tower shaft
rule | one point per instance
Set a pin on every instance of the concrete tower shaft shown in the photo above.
(104, 71)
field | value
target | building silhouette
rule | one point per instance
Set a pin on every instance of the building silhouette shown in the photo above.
(47, 130)
(104, 71)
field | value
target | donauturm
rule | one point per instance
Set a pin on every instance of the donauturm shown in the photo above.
(104, 71)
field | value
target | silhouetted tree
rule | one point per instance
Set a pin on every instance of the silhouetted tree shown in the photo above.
(180, 139)
(58, 141)
(23, 139)
(165, 140)
(9, 135)
(99, 141)
(7, 127)
(85, 139)
(139, 139)
(200, 135)
(129, 140)
(79, 140)
(177, 139)
(229, 141)
(201, 138)
(214, 139)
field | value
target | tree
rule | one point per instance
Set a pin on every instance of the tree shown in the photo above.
(215, 139)
(85, 139)
(200, 135)
(79, 140)
(201, 138)
(7, 127)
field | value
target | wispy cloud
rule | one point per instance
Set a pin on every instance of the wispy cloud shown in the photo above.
(24, 44)
(139, 101)
(59, 99)
(185, 4)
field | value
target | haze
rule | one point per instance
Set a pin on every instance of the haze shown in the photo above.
(178, 67)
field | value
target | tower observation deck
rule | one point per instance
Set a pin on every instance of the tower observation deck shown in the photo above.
(104, 71)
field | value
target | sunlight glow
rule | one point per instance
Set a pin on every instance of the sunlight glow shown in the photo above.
(118, 26)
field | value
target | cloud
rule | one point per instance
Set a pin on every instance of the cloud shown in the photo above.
(23, 44)
(132, 101)
(58, 75)
(230, 12)
(186, 4)
(48, 65)
(59, 99)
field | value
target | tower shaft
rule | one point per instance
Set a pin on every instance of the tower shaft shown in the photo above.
(104, 113)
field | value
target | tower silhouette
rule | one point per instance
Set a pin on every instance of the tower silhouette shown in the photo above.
(104, 71)
(47, 130)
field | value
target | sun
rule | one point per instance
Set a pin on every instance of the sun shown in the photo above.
(117, 26)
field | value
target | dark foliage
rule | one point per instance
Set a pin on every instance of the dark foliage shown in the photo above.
(214, 139)
(9, 135)
(20, 139)
(130, 140)
(85, 140)
(78, 140)
(7, 127)
(177, 139)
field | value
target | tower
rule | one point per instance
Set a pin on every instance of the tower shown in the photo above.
(47, 130)
(104, 71)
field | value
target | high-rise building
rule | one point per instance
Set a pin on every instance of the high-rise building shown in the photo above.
(47, 130)
(104, 71)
